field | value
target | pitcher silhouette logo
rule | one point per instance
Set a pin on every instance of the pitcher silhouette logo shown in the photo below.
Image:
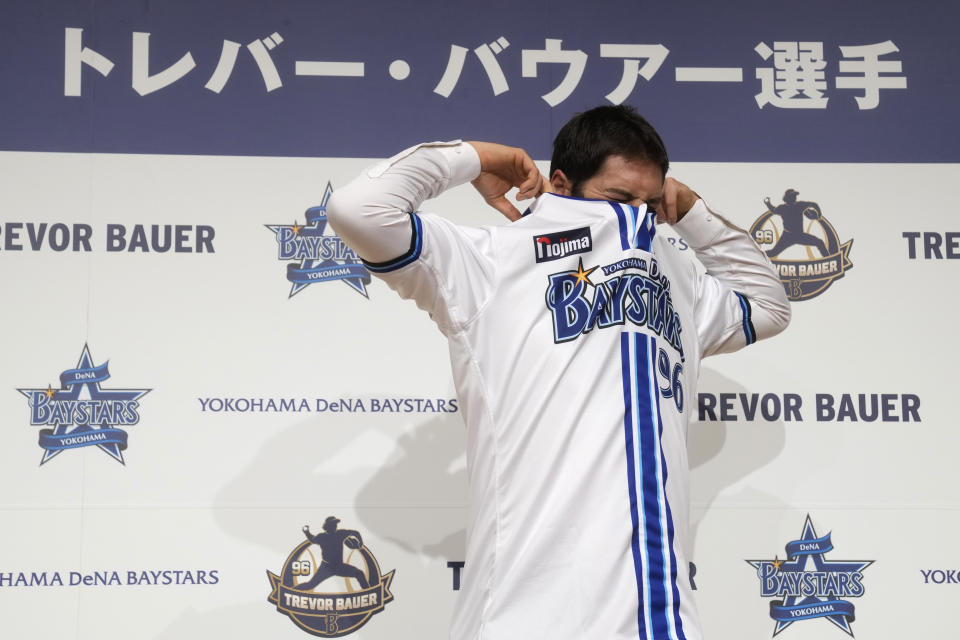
(330, 584)
(803, 245)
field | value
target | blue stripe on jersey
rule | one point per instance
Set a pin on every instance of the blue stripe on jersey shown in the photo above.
(652, 537)
(416, 245)
(645, 388)
(748, 330)
(631, 477)
(631, 215)
(636, 230)
(675, 590)
(651, 228)
(673, 595)
(624, 226)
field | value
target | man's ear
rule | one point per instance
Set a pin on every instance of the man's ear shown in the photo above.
(561, 184)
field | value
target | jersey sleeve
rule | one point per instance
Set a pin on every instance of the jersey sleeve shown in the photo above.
(447, 269)
(740, 298)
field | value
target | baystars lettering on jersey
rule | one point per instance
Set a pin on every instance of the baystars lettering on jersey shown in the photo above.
(805, 593)
(800, 235)
(353, 587)
(83, 414)
(316, 256)
(640, 295)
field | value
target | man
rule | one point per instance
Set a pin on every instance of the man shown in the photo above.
(575, 335)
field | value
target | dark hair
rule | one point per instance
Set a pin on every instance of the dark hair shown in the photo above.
(583, 144)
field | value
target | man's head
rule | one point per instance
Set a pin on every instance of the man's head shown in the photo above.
(609, 153)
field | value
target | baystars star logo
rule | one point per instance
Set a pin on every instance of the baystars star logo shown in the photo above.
(808, 593)
(83, 414)
(316, 255)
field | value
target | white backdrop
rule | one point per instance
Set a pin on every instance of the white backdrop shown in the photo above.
(227, 492)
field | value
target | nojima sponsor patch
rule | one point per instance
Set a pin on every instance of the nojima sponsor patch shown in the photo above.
(553, 246)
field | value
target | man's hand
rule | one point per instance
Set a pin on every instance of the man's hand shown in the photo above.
(678, 198)
(503, 168)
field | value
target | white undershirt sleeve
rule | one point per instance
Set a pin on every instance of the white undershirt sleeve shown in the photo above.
(447, 269)
(740, 298)
(371, 213)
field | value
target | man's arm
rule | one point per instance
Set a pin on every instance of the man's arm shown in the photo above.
(501, 169)
(371, 213)
(741, 281)
(735, 265)
(446, 268)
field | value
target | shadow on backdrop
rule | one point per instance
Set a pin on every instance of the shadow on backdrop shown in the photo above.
(720, 455)
(404, 476)
(375, 464)
(401, 474)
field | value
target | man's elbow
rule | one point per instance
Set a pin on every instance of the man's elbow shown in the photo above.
(347, 212)
(782, 316)
(775, 318)
(338, 208)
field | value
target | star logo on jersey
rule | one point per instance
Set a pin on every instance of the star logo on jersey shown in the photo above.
(803, 246)
(314, 255)
(581, 276)
(81, 413)
(808, 585)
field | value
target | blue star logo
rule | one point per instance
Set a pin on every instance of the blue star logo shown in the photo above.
(817, 592)
(82, 413)
(318, 256)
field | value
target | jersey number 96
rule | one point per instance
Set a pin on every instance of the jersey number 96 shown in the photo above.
(672, 378)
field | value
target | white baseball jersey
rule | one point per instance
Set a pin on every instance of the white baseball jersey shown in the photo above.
(575, 338)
